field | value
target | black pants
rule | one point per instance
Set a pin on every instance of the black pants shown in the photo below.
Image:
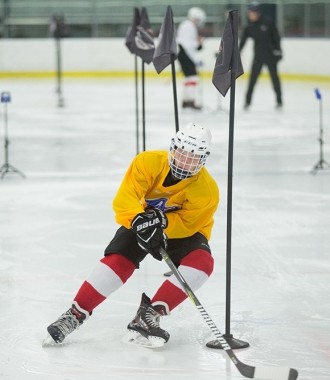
(124, 243)
(255, 71)
(188, 67)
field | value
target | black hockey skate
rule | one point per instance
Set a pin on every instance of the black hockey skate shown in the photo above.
(66, 323)
(144, 329)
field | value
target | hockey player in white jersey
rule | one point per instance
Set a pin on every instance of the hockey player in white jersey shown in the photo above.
(190, 42)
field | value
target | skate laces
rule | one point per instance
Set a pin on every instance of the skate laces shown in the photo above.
(67, 323)
(147, 317)
(152, 317)
(146, 321)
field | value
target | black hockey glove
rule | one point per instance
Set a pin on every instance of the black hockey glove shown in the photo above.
(277, 54)
(149, 229)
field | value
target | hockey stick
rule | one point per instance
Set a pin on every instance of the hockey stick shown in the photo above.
(259, 372)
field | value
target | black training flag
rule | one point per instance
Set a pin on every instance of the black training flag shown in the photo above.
(228, 60)
(144, 41)
(166, 49)
(144, 20)
(131, 32)
(139, 38)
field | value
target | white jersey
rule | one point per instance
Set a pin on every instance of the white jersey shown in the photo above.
(187, 37)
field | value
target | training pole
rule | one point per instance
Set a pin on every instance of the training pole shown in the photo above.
(234, 343)
(321, 164)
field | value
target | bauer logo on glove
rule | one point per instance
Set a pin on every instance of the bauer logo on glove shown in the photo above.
(148, 220)
(149, 229)
(145, 225)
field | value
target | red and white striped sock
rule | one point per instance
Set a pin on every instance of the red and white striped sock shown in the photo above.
(110, 273)
(190, 86)
(195, 268)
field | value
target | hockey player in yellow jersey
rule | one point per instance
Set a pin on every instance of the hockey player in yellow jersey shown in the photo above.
(166, 199)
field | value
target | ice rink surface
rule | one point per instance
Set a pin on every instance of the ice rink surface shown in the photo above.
(56, 222)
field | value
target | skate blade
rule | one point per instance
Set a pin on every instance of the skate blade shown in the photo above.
(49, 342)
(135, 338)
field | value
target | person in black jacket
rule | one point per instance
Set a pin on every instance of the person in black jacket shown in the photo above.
(267, 50)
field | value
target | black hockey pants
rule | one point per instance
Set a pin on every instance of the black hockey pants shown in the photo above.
(255, 71)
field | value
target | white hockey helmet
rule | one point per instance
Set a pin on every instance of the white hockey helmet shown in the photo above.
(197, 15)
(189, 150)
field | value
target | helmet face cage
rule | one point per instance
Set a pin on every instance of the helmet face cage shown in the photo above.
(188, 152)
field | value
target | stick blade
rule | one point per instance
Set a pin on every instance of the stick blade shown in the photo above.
(293, 374)
(275, 373)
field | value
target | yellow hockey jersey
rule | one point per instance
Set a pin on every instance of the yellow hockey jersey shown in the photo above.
(189, 204)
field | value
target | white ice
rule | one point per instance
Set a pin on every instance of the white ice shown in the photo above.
(56, 222)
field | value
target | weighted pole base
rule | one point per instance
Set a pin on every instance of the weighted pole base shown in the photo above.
(7, 168)
(233, 343)
(322, 164)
